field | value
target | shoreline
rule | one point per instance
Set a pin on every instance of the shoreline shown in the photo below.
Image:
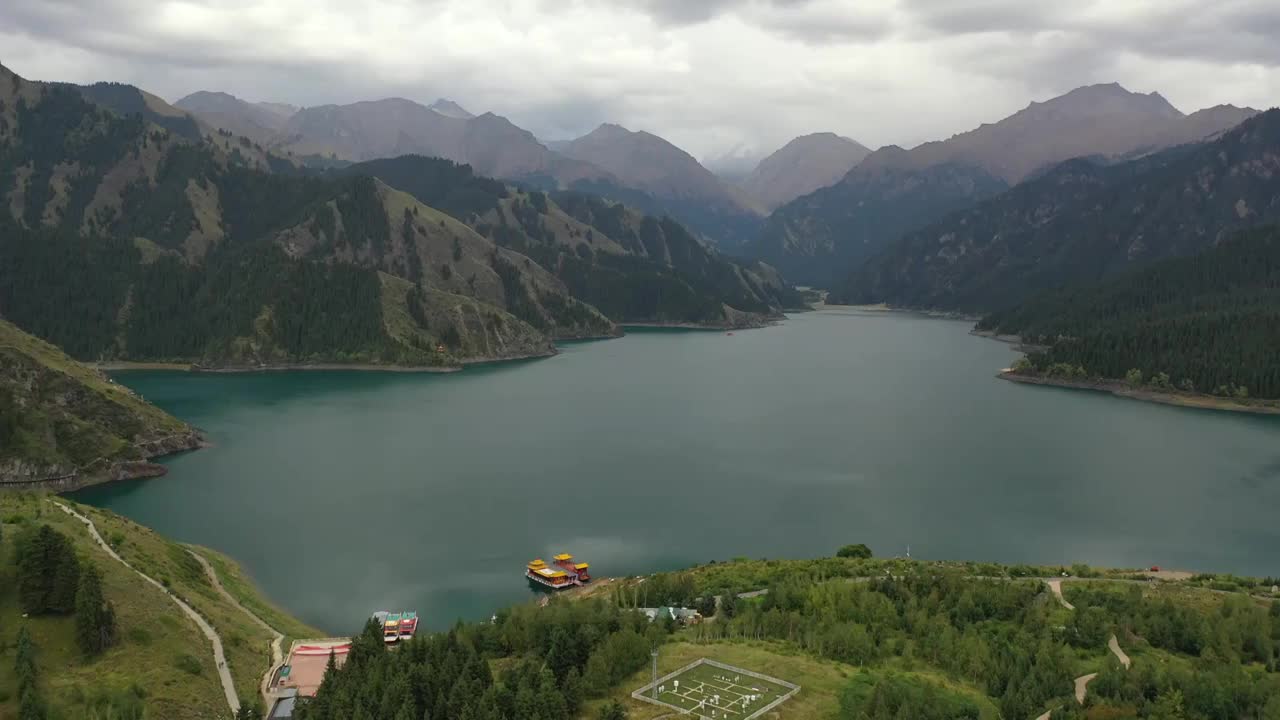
(1120, 389)
(196, 368)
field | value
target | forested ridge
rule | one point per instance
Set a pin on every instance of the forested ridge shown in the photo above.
(633, 267)
(1081, 222)
(157, 248)
(815, 239)
(1209, 323)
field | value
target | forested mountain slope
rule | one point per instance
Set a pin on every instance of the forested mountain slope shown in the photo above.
(815, 239)
(59, 419)
(168, 249)
(635, 268)
(1206, 323)
(1082, 222)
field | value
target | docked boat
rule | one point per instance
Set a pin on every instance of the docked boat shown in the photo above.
(408, 625)
(391, 628)
(563, 573)
(397, 626)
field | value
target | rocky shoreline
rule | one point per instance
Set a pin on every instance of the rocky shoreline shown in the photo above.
(1121, 389)
(67, 480)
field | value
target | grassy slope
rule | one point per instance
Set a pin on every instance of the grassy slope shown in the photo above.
(51, 357)
(153, 634)
(153, 630)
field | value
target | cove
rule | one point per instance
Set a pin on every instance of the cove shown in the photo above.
(349, 492)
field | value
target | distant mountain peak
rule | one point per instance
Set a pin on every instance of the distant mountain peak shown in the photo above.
(449, 108)
(805, 164)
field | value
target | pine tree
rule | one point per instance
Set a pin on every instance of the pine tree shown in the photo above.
(95, 617)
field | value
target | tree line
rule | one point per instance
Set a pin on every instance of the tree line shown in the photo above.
(1209, 323)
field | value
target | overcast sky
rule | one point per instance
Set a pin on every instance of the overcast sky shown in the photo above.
(713, 76)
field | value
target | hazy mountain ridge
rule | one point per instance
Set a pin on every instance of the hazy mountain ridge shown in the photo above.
(1097, 120)
(813, 239)
(803, 165)
(257, 121)
(1082, 222)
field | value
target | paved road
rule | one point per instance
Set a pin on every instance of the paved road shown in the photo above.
(220, 659)
(277, 653)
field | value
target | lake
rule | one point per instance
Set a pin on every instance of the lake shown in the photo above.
(343, 493)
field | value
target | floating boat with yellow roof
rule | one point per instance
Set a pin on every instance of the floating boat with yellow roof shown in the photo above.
(561, 574)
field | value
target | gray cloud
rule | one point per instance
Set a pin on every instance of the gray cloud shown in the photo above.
(711, 75)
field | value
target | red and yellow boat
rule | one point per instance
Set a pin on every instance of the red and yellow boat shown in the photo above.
(562, 573)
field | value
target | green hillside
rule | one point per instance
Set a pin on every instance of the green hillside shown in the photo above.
(127, 242)
(1209, 323)
(1080, 223)
(159, 664)
(633, 267)
(59, 418)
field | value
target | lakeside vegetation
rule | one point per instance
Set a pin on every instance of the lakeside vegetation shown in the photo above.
(867, 639)
(1206, 324)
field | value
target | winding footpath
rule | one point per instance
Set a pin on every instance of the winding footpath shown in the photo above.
(1082, 682)
(219, 658)
(277, 638)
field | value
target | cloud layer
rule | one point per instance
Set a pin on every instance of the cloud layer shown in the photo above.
(715, 76)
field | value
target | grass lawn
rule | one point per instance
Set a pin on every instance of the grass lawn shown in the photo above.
(246, 644)
(709, 691)
(822, 681)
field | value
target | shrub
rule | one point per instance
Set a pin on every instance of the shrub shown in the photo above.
(186, 663)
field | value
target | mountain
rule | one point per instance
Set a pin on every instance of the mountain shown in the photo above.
(59, 418)
(634, 268)
(125, 241)
(1082, 222)
(1099, 120)
(814, 239)
(803, 165)
(388, 128)
(1209, 322)
(640, 162)
(449, 108)
(1105, 120)
(257, 121)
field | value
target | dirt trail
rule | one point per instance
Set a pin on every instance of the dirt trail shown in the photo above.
(220, 659)
(1056, 587)
(1115, 650)
(1082, 682)
(277, 639)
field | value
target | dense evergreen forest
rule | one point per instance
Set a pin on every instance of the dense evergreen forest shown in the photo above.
(1208, 323)
(553, 659)
(1081, 222)
(914, 640)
